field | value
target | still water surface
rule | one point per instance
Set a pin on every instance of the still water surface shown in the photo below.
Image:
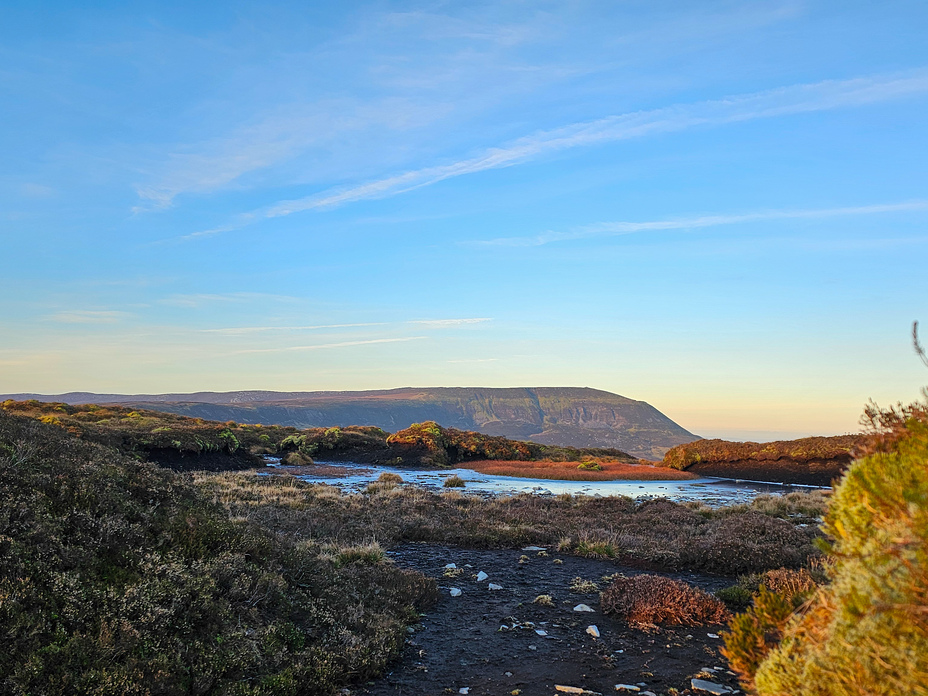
(710, 491)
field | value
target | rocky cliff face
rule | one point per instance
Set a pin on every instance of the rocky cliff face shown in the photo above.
(576, 417)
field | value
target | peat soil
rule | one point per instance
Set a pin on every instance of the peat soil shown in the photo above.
(499, 642)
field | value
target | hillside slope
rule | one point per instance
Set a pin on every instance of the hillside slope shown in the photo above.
(565, 416)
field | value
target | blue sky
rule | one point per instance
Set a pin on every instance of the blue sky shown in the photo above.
(716, 207)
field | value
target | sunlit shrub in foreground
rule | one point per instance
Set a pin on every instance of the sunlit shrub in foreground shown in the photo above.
(867, 631)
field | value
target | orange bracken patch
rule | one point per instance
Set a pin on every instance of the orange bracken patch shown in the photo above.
(568, 471)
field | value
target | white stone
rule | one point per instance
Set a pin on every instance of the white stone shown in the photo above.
(711, 687)
(540, 632)
(534, 548)
(582, 607)
(712, 635)
(450, 566)
(481, 576)
(494, 586)
(593, 631)
(464, 690)
(455, 592)
(626, 687)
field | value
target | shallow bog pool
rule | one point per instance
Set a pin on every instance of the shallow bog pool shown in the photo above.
(710, 491)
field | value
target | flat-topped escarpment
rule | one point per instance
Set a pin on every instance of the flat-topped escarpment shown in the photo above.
(561, 416)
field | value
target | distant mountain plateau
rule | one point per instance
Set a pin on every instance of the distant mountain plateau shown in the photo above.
(564, 416)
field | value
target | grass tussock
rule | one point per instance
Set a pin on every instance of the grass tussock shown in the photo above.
(118, 577)
(658, 531)
(654, 599)
(866, 631)
(454, 482)
(568, 471)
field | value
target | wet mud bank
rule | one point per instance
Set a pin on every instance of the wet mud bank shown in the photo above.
(500, 641)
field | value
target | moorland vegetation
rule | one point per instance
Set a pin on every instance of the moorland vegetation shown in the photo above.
(865, 630)
(190, 444)
(120, 577)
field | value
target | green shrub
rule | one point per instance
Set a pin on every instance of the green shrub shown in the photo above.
(867, 631)
(118, 577)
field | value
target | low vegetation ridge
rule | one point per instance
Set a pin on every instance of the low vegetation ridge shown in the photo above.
(813, 461)
(183, 443)
(558, 416)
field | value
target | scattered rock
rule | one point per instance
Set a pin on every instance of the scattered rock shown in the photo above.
(455, 592)
(583, 607)
(593, 631)
(494, 586)
(481, 576)
(626, 687)
(451, 566)
(534, 548)
(508, 674)
(464, 690)
(541, 632)
(712, 635)
(711, 687)
(568, 689)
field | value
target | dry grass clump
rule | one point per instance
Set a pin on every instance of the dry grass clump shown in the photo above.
(569, 471)
(544, 600)
(454, 482)
(659, 600)
(659, 532)
(580, 586)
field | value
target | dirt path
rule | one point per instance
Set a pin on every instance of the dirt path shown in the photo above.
(489, 641)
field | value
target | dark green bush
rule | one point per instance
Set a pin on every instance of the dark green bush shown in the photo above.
(117, 577)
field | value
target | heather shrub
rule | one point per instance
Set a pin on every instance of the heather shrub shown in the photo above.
(660, 600)
(454, 482)
(118, 577)
(867, 631)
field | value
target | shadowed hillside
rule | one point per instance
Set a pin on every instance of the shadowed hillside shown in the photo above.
(564, 416)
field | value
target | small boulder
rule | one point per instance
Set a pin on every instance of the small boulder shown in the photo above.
(455, 592)
(583, 607)
(481, 576)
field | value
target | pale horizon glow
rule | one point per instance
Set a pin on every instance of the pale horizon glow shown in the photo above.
(721, 210)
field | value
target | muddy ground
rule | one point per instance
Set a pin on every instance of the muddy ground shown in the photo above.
(488, 641)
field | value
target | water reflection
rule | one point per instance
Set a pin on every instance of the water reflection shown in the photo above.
(710, 491)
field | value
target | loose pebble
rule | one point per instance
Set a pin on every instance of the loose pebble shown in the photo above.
(582, 607)
(481, 576)
(568, 689)
(593, 631)
(710, 687)
(494, 586)
(464, 690)
(534, 548)
(712, 635)
(540, 632)
(626, 687)
(455, 592)
(450, 566)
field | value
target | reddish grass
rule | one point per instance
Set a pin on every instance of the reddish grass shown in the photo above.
(568, 471)
(656, 599)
